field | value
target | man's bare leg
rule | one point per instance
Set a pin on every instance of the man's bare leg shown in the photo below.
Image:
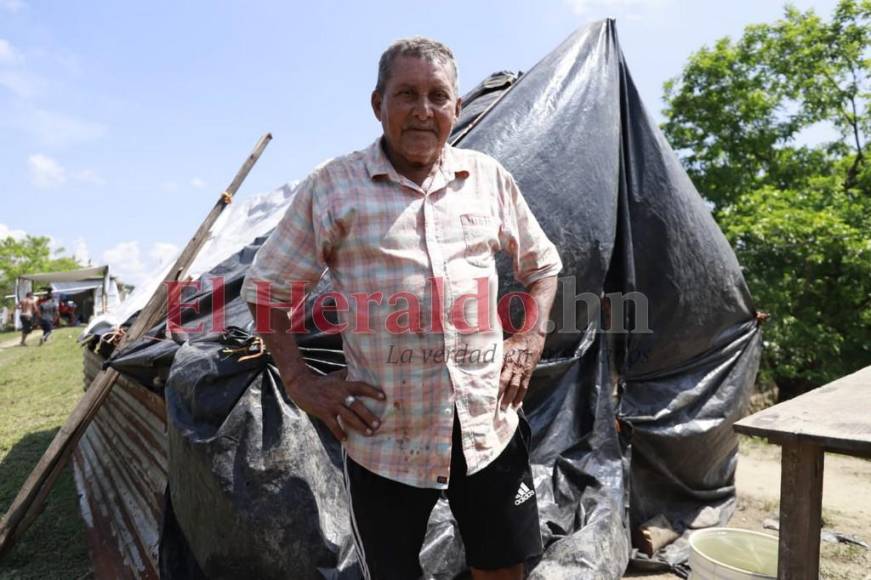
(512, 573)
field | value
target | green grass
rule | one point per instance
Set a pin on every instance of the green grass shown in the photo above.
(39, 385)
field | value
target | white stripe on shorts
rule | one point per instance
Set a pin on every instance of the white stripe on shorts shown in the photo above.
(358, 540)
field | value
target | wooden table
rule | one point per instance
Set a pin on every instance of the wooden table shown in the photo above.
(834, 418)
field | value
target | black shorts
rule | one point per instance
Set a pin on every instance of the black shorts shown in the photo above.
(26, 324)
(495, 509)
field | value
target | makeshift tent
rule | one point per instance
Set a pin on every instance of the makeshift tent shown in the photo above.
(627, 425)
(94, 289)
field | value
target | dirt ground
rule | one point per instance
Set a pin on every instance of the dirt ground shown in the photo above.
(10, 342)
(846, 506)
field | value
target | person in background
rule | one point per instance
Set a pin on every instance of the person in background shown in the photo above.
(67, 311)
(29, 310)
(47, 315)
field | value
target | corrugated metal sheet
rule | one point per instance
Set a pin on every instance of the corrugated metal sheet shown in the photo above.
(120, 472)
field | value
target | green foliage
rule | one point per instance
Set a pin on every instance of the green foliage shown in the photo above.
(30, 255)
(809, 267)
(737, 108)
(798, 215)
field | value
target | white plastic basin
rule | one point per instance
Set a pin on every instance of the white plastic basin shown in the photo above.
(732, 554)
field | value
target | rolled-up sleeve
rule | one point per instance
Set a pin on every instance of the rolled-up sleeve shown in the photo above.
(296, 251)
(534, 255)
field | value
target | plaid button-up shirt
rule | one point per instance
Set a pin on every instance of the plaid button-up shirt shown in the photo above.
(396, 250)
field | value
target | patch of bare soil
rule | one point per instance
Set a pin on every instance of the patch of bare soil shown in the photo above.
(10, 342)
(846, 506)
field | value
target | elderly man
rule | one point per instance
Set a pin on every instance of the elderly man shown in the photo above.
(430, 403)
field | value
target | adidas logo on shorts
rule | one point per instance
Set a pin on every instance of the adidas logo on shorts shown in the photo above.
(523, 494)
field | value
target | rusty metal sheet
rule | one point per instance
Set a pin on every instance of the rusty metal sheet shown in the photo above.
(120, 473)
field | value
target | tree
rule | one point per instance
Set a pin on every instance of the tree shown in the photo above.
(29, 256)
(797, 213)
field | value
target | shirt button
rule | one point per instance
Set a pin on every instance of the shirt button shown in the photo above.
(449, 411)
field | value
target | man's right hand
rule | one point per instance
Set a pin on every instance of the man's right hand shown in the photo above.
(325, 398)
(321, 396)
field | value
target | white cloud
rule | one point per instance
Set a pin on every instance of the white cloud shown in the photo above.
(56, 248)
(14, 77)
(20, 83)
(81, 252)
(12, 6)
(45, 128)
(125, 260)
(89, 176)
(59, 130)
(48, 128)
(198, 183)
(627, 8)
(163, 252)
(132, 265)
(45, 172)
(8, 54)
(6, 231)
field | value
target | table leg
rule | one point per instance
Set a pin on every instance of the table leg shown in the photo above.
(801, 502)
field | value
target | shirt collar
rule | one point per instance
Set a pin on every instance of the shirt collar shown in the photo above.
(452, 164)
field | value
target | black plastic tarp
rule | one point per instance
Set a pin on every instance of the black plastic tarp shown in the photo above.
(631, 406)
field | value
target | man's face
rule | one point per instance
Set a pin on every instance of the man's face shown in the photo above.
(417, 110)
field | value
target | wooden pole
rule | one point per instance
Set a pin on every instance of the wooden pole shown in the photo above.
(31, 498)
(801, 505)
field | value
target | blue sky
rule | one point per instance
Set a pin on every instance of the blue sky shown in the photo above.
(121, 122)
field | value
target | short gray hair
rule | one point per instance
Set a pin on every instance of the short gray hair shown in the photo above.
(417, 46)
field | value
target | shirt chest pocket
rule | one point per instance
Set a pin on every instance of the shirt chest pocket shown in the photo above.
(481, 237)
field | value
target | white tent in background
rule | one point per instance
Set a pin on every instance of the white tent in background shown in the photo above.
(94, 289)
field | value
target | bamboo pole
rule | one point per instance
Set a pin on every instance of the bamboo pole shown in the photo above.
(31, 497)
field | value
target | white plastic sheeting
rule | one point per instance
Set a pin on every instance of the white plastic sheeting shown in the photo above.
(239, 224)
